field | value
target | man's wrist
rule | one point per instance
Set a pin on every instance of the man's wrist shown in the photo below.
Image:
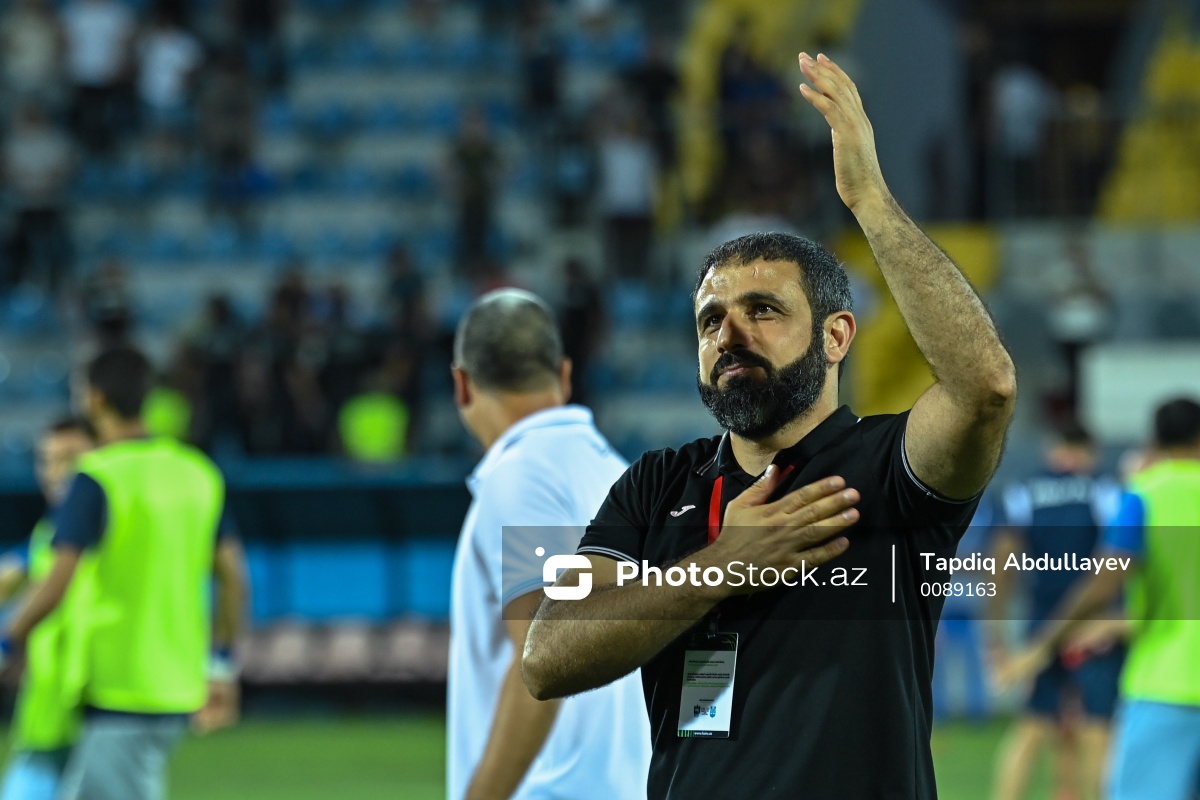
(221, 664)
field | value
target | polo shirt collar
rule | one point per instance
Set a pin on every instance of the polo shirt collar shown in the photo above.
(723, 463)
(557, 417)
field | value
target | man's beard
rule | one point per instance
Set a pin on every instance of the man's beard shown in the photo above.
(755, 408)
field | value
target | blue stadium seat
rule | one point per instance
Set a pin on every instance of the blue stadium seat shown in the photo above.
(424, 567)
(29, 311)
(165, 247)
(626, 48)
(267, 568)
(310, 55)
(501, 54)
(222, 243)
(132, 181)
(330, 121)
(388, 117)
(92, 182)
(630, 304)
(307, 178)
(501, 113)
(278, 117)
(441, 117)
(338, 581)
(414, 182)
(416, 55)
(434, 247)
(379, 243)
(358, 52)
(272, 245)
(466, 53)
(332, 244)
(356, 181)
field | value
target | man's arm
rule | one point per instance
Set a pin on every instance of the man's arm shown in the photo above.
(956, 429)
(46, 597)
(223, 704)
(1007, 541)
(229, 569)
(1091, 597)
(521, 724)
(576, 645)
(13, 575)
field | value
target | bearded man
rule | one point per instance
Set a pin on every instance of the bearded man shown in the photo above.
(791, 556)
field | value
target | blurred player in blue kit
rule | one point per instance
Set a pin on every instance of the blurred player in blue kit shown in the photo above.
(1059, 511)
(46, 722)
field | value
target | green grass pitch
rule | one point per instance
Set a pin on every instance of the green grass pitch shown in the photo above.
(403, 759)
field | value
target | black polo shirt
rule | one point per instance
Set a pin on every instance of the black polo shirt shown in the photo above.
(832, 692)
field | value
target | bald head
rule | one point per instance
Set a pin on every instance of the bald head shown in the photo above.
(509, 342)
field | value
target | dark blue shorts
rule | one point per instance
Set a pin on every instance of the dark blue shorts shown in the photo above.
(1095, 681)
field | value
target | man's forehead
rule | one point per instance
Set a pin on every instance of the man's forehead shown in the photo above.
(733, 278)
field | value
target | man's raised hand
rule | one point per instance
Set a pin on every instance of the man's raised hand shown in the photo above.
(855, 163)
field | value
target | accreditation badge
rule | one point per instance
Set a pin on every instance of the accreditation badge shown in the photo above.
(706, 702)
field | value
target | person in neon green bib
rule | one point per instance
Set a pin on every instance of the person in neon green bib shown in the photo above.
(139, 535)
(1156, 751)
(46, 723)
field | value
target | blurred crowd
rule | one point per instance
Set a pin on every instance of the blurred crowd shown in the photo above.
(183, 85)
(312, 374)
(91, 79)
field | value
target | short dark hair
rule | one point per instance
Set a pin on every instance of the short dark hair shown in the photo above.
(509, 341)
(1177, 423)
(824, 280)
(124, 376)
(71, 424)
(1072, 432)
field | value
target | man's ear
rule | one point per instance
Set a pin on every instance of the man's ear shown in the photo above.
(839, 333)
(462, 387)
(93, 401)
(564, 377)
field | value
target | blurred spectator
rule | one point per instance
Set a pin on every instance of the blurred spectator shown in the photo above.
(227, 111)
(594, 15)
(290, 298)
(99, 35)
(572, 172)
(406, 296)
(346, 353)
(1082, 140)
(654, 81)
(374, 425)
(108, 306)
(541, 69)
(474, 172)
(1082, 313)
(32, 51)
(752, 97)
(307, 412)
(168, 60)
(267, 414)
(258, 24)
(627, 170)
(1022, 105)
(169, 409)
(38, 164)
(217, 342)
(583, 325)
